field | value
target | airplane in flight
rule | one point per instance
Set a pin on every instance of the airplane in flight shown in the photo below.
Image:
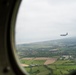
(64, 34)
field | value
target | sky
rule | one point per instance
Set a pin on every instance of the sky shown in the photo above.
(42, 20)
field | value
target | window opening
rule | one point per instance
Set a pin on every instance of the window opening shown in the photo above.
(46, 36)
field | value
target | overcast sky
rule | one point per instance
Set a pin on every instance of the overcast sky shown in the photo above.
(42, 20)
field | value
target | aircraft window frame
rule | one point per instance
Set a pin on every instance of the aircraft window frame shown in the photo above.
(18, 70)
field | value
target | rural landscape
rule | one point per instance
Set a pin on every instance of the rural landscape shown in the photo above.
(52, 57)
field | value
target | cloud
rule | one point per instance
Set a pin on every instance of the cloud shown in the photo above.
(45, 19)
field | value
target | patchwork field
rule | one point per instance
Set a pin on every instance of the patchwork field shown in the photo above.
(50, 61)
(52, 57)
(41, 61)
(48, 66)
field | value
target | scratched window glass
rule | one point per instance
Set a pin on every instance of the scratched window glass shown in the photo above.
(46, 36)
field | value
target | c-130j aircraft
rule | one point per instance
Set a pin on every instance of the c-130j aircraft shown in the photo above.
(64, 34)
(9, 64)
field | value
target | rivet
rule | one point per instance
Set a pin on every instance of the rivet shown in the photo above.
(6, 69)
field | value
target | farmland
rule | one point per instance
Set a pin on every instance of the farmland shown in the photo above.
(56, 57)
(38, 65)
(57, 67)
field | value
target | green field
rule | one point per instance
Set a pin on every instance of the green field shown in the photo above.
(28, 62)
(38, 70)
(60, 67)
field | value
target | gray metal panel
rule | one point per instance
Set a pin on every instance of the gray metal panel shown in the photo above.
(8, 12)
